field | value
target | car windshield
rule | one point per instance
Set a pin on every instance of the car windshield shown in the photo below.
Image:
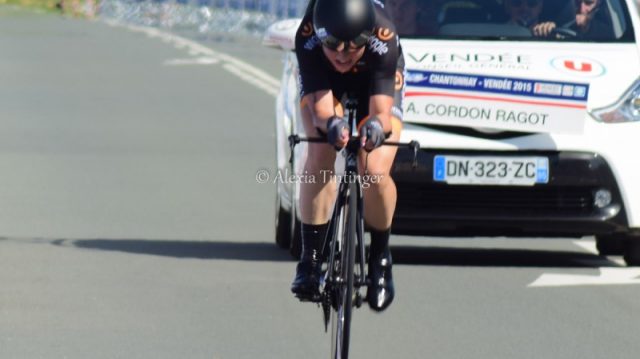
(539, 20)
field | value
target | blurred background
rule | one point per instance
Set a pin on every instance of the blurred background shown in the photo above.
(201, 17)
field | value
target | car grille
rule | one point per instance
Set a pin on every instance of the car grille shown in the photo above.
(510, 201)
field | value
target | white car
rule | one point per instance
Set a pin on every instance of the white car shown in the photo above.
(520, 135)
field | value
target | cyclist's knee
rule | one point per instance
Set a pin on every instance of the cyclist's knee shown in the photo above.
(321, 156)
(378, 183)
(379, 162)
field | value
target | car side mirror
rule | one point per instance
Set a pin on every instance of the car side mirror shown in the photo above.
(282, 34)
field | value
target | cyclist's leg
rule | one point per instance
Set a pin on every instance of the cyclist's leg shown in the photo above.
(379, 189)
(379, 205)
(379, 202)
(316, 200)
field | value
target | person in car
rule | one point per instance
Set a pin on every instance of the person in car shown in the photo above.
(525, 13)
(585, 24)
(349, 48)
(413, 17)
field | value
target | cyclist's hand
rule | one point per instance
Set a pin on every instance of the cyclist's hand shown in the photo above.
(371, 134)
(337, 132)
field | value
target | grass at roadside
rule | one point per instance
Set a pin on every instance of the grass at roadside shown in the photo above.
(77, 8)
(48, 5)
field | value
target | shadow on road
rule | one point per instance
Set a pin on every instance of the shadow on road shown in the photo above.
(496, 257)
(405, 255)
(246, 251)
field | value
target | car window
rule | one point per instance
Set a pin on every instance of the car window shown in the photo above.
(539, 20)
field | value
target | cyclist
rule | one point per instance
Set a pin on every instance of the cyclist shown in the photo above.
(349, 48)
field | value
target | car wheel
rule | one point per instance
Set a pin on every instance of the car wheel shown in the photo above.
(295, 247)
(283, 225)
(632, 251)
(611, 245)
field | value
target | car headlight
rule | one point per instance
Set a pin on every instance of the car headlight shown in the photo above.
(627, 109)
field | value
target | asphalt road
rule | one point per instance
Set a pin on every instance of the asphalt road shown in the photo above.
(132, 225)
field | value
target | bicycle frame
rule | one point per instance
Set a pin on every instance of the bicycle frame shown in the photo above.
(346, 284)
(350, 174)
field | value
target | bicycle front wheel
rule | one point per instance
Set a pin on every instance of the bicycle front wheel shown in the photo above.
(344, 276)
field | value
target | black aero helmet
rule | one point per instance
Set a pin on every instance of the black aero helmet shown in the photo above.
(343, 21)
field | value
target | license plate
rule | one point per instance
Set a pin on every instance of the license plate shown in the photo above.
(491, 170)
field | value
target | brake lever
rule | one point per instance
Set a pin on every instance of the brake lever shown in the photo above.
(415, 146)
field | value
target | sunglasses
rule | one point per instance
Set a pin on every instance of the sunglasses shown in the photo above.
(335, 44)
(530, 3)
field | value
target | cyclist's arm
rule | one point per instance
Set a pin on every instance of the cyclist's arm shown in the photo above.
(320, 106)
(384, 73)
(382, 91)
(380, 107)
(316, 98)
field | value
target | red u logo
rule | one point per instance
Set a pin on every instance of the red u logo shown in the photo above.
(584, 66)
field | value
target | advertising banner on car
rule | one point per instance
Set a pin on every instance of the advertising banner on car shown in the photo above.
(507, 103)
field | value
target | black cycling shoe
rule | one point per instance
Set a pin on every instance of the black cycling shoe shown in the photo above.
(381, 291)
(306, 284)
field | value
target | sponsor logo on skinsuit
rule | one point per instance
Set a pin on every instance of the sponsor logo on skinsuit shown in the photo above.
(307, 29)
(312, 43)
(385, 34)
(378, 46)
(399, 81)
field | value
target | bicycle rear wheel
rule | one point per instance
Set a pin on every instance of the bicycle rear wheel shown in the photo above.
(344, 276)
